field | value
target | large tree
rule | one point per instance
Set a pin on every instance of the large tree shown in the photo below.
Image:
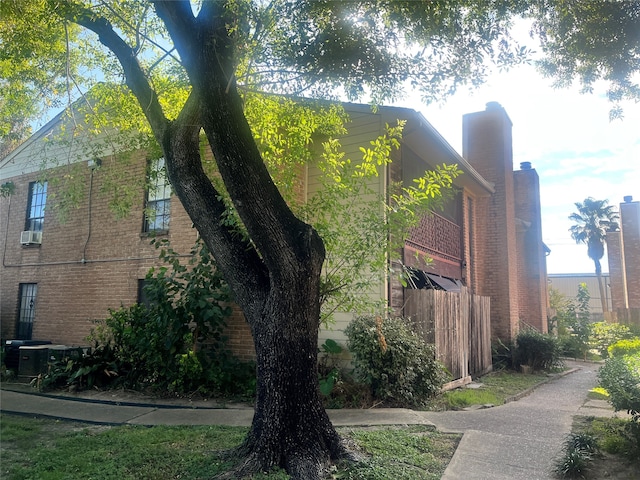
(592, 221)
(220, 49)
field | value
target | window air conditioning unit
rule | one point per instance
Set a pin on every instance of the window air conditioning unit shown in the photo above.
(30, 237)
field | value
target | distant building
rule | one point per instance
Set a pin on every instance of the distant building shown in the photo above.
(567, 284)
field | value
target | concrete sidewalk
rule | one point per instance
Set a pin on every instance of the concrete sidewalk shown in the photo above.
(519, 440)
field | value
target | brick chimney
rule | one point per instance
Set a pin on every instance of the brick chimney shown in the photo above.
(533, 298)
(487, 145)
(630, 226)
(617, 274)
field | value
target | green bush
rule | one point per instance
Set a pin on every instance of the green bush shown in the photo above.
(537, 350)
(620, 377)
(399, 367)
(624, 347)
(579, 450)
(571, 346)
(603, 334)
(502, 355)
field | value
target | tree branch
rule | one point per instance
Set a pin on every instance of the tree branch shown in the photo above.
(240, 263)
(135, 77)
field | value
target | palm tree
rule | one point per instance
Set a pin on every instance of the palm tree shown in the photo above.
(592, 221)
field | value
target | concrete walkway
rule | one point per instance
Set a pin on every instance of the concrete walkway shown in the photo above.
(519, 440)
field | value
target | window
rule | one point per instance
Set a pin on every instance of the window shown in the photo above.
(142, 295)
(37, 202)
(158, 207)
(27, 310)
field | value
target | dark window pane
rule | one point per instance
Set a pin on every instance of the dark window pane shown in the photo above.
(27, 311)
(37, 203)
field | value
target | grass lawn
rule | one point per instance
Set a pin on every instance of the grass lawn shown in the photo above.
(46, 449)
(497, 388)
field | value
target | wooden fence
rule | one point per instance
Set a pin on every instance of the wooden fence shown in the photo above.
(459, 326)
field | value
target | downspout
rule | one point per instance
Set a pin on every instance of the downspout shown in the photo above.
(93, 164)
(6, 233)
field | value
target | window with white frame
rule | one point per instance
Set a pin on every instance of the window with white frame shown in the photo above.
(158, 204)
(36, 206)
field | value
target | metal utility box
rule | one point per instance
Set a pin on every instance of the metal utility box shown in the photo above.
(12, 351)
(33, 360)
(61, 353)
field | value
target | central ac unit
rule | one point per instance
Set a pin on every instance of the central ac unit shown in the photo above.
(30, 237)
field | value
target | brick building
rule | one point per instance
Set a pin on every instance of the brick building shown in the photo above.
(623, 250)
(57, 277)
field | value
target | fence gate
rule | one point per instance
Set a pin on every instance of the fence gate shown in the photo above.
(459, 326)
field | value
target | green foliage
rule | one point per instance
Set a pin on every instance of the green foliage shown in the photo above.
(7, 188)
(573, 318)
(625, 347)
(328, 366)
(615, 436)
(620, 377)
(175, 343)
(579, 449)
(537, 350)
(590, 41)
(399, 367)
(582, 441)
(603, 334)
(412, 453)
(465, 397)
(360, 227)
(502, 354)
(564, 309)
(59, 449)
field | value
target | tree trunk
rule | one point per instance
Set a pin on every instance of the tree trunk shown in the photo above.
(603, 298)
(276, 275)
(290, 427)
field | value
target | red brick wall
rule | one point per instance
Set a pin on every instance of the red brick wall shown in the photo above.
(240, 341)
(630, 226)
(488, 148)
(72, 293)
(441, 240)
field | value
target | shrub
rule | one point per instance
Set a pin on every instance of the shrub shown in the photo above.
(571, 346)
(620, 376)
(624, 347)
(502, 355)
(537, 350)
(602, 335)
(573, 318)
(399, 367)
(578, 452)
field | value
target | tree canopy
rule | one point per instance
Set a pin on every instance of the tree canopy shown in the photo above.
(366, 49)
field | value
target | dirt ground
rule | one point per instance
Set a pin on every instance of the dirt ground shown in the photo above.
(613, 467)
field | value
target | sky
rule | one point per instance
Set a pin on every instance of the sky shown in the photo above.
(570, 142)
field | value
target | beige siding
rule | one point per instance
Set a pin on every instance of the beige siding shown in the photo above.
(362, 129)
(46, 149)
